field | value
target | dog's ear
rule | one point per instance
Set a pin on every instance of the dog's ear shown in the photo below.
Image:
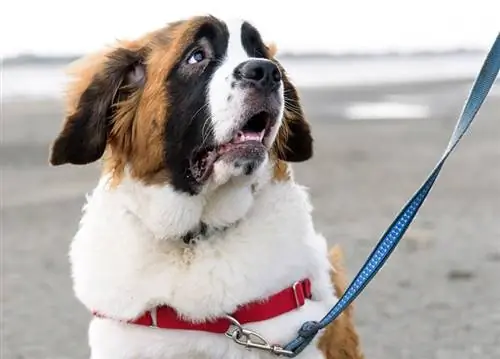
(100, 81)
(294, 142)
(295, 130)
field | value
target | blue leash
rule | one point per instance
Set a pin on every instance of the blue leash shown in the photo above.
(395, 232)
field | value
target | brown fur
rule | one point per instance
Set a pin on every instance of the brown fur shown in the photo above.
(139, 113)
(130, 121)
(140, 120)
(280, 171)
(340, 339)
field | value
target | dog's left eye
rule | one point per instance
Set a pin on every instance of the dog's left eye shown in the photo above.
(197, 56)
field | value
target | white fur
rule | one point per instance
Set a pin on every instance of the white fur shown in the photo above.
(127, 258)
(121, 267)
(226, 103)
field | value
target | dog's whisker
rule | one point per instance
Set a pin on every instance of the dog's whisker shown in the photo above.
(206, 134)
(197, 112)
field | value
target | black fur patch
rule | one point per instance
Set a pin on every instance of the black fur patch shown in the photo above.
(188, 126)
(252, 41)
(199, 232)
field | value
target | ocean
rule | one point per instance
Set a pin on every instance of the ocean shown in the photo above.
(21, 81)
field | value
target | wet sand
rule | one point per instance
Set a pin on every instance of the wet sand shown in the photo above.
(437, 297)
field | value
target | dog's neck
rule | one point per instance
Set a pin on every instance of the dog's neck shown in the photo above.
(172, 215)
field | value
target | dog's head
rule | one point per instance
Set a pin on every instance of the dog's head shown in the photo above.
(198, 100)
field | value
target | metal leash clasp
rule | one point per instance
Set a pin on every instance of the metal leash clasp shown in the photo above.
(252, 340)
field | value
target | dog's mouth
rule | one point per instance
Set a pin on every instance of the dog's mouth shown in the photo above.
(248, 141)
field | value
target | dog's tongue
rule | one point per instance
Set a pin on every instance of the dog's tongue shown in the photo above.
(243, 139)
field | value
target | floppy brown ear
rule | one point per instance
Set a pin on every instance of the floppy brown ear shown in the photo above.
(90, 105)
(294, 142)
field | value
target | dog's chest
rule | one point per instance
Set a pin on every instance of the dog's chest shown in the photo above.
(121, 272)
(268, 250)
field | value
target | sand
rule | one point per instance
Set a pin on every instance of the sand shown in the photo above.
(437, 297)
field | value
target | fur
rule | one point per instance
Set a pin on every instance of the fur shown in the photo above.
(128, 255)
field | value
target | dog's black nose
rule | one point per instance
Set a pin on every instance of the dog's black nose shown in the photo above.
(261, 73)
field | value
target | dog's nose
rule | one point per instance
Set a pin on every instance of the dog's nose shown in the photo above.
(261, 73)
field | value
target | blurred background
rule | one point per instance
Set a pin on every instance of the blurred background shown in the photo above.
(382, 83)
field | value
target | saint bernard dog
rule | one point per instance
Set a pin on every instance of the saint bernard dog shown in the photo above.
(196, 220)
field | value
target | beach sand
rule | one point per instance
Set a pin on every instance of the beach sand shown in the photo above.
(437, 297)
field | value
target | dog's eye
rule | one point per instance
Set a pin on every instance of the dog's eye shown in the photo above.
(197, 56)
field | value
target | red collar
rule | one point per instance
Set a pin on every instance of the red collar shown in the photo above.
(282, 302)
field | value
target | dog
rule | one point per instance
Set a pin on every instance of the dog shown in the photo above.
(196, 225)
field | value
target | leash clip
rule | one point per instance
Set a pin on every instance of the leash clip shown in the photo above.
(252, 340)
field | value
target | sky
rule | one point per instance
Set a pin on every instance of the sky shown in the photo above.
(72, 27)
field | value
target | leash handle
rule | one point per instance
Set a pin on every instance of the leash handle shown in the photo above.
(397, 229)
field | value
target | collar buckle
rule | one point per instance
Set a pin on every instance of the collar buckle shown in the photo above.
(252, 340)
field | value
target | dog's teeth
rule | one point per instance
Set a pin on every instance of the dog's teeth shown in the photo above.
(261, 136)
(249, 136)
(252, 137)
